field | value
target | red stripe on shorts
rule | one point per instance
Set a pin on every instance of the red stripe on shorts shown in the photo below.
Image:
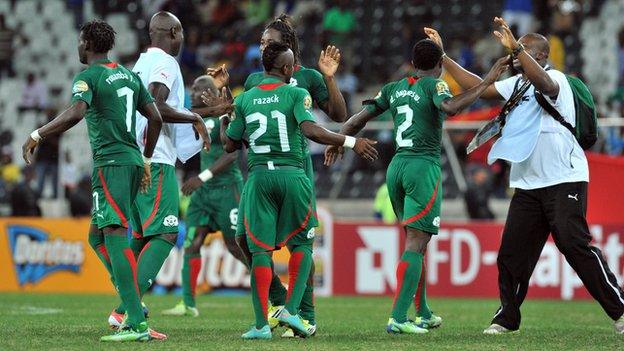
(156, 202)
(109, 198)
(298, 230)
(254, 239)
(427, 208)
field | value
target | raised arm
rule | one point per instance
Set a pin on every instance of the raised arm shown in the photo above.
(459, 102)
(64, 121)
(463, 77)
(335, 106)
(531, 68)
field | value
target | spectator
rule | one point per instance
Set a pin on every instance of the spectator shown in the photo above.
(226, 13)
(24, 197)
(188, 56)
(6, 48)
(47, 161)
(338, 23)
(34, 94)
(69, 175)
(348, 83)
(257, 11)
(383, 207)
(478, 195)
(9, 171)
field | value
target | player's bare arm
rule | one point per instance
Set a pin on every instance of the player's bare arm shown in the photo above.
(335, 107)
(362, 146)
(63, 122)
(463, 77)
(220, 165)
(215, 105)
(530, 67)
(456, 104)
(353, 126)
(160, 92)
(229, 145)
(154, 124)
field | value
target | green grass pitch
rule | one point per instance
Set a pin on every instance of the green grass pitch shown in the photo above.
(75, 322)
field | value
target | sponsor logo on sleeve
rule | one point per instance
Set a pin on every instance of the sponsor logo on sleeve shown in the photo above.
(442, 88)
(307, 102)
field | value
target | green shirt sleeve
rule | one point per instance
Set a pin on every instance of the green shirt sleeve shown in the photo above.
(82, 88)
(236, 129)
(381, 102)
(144, 96)
(318, 88)
(439, 92)
(303, 106)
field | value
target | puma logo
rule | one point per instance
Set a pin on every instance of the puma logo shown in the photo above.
(575, 197)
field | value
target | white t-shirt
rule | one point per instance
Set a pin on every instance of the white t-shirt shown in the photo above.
(156, 66)
(540, 156)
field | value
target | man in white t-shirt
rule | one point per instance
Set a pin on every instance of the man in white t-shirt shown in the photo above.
(550, 175)
(155, 221)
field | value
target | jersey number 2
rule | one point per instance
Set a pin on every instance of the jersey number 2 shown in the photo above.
(128, 94)
(409, 118)
(262, 128)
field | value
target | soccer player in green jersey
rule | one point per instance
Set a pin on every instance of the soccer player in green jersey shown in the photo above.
(418, 105)
(214, 203)
(324, 91)
(273, 116)
(108, 95)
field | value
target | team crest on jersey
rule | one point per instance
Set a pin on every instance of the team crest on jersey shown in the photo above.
(170, 221)
(307, 102)
(36, 255)
(436, 222)
(311, 233)
(210, 124)
(293, 82)
(442, 88)
(80, 87)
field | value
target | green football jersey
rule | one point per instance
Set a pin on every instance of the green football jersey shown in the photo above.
(113, 94)
(414, 104)
(306, 78)
(230, 175)
(268, 116)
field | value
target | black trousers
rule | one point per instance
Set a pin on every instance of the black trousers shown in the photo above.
(534, 214)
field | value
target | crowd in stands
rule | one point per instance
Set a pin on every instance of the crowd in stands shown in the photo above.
(228, 32)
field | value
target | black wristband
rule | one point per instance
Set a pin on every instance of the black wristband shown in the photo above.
(515, 52)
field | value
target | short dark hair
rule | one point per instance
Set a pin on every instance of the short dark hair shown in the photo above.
(271, 53)
(100, 35)
(283, 24)
(426, 54)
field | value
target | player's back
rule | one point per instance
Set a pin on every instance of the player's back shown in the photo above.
(113, 93)
(414, 104)
(272, 112)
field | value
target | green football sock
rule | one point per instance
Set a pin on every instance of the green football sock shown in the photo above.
(261, 274)
(408, 274)
(150, 260)
(298, 273)
(277, 291)
(124, 272)
(190, 271)
(420, 299)
(96, 241)
(306, 308)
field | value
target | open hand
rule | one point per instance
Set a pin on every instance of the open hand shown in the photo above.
(329, 61)
(435, 36)
(28, 149)
(366, 149)
(191, 185)
(146, 181)
(220, 76)
(332, 153)
(201, 131)
(505, 35)
(222, 104)
(501, 65)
